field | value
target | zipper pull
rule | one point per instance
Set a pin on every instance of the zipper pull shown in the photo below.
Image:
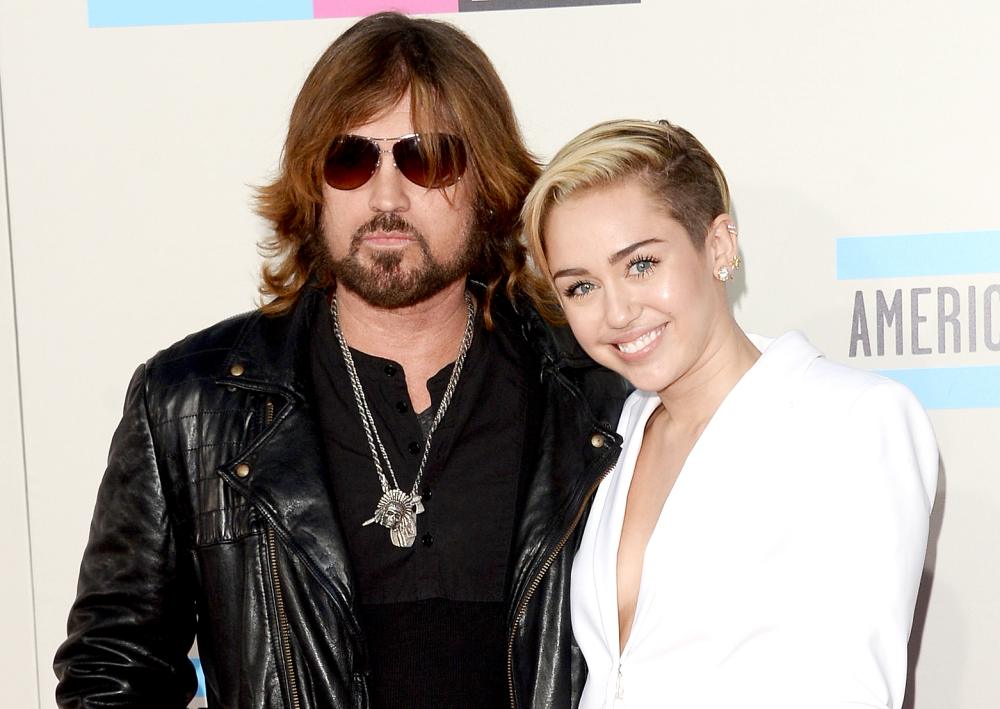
(620, 689)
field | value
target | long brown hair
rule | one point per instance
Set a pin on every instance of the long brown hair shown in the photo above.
(453, 88)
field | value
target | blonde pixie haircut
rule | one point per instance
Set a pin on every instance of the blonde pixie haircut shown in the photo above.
(681, 175)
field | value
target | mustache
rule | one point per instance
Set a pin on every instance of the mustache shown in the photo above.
(387, 221)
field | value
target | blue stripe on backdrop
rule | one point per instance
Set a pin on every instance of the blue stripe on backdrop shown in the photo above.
(201, 676)
(123, 13)
(905, 255)
(951, 387)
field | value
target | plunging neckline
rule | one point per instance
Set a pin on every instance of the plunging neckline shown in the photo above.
(623, 484)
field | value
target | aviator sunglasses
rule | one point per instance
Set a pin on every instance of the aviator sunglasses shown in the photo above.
(353, 159)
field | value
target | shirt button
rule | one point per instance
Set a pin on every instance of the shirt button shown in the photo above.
(427, 495)
(414, 447)
(401, 407)
(427, 539)
(597, 440)
(390, 370)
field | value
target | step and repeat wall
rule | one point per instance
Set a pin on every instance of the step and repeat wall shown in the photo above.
(859, 138)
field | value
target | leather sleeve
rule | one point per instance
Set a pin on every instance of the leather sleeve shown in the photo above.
(133, 620)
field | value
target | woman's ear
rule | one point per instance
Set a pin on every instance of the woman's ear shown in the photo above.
(722, 248)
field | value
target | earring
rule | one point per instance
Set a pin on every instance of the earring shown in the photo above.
(731, 227)
(726, 272)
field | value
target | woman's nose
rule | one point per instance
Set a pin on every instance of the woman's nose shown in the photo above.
(620, 307)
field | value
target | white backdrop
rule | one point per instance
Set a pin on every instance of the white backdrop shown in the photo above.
(130, 151)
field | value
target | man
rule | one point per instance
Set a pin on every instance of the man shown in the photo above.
(367, 492)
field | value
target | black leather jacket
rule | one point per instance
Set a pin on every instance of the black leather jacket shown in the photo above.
(215, 517)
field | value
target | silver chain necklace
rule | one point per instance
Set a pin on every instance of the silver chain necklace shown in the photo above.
(396, 510)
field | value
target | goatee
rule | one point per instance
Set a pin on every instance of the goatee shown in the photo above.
(382, 281)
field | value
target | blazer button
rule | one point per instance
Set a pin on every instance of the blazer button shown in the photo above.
(597, 440)
(242, 470)
(237, 370)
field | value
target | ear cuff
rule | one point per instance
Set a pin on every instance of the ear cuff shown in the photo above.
(726, 272)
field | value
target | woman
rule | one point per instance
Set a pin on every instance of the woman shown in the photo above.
(761, 539)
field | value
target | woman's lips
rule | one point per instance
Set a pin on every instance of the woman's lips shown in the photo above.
(640, 343)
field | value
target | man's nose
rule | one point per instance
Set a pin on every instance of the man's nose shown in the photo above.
(388, 193)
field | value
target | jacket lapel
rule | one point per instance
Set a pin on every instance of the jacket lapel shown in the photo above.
(286, 475)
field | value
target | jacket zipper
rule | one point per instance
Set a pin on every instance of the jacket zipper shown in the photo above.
(538, 580)
(268, 412)
(279, 601)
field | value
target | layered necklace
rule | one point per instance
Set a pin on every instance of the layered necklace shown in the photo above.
(397, 510)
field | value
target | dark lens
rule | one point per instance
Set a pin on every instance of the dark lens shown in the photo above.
(350, 162)
(430, 160)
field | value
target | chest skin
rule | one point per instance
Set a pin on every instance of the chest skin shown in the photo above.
(664, 450)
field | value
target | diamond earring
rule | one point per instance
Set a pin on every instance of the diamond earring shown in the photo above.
(723, 273)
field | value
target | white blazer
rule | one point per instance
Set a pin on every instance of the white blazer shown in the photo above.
(783, 570)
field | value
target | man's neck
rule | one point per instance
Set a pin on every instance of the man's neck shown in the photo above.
(422, 338)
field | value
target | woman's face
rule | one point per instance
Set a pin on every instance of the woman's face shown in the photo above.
(640, 298)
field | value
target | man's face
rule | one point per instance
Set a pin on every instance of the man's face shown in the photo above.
(390, 241)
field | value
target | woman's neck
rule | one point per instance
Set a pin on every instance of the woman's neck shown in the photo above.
(692, 400)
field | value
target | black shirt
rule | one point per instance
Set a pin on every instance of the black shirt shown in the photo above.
(433, 614)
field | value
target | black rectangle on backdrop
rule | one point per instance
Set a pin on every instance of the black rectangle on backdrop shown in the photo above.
(483, 5)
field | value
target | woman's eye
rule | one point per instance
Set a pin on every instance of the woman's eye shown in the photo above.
(578, 289)
(642, 266)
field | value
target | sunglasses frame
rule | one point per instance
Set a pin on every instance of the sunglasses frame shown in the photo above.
(377, 144)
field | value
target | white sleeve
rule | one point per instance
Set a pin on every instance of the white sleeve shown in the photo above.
(873, 564)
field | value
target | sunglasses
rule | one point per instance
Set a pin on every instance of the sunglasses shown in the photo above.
(431, 160)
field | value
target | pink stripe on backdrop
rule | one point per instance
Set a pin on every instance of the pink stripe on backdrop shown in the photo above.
(357, 8)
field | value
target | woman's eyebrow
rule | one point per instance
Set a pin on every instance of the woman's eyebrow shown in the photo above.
(622, 253)
(569, 272)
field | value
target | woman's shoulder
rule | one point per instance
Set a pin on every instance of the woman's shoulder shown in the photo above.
(847, 387)
(837, 410)
(831, 384)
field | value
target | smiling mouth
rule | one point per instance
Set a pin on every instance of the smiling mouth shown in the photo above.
(640, 343)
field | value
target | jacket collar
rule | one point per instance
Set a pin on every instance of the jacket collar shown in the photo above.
(555, 344)
(270, 352)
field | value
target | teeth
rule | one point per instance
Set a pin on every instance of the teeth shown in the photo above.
(640, 342)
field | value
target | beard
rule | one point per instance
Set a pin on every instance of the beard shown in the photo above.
(382, 280)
